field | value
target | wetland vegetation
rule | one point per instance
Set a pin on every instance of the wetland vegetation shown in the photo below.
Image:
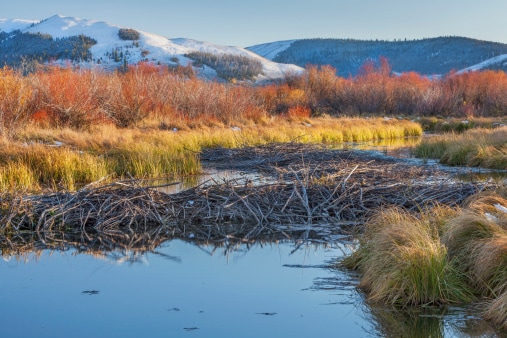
(78, 148)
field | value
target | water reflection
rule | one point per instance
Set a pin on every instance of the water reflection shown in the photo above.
(459, 321)
(396, 147)
(177, 287)
(180, 287)
(427, 322)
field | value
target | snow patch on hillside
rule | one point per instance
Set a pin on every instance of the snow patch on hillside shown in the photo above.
(149, 47)
(272, 49)
(9, 25)
(487, 63)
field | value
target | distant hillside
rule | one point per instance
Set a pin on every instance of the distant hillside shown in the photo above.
(89, 43)
(28, 47)
(426, 56)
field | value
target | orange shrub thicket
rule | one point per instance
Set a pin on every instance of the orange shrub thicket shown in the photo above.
(376, 90)
(17, 102)
(70, 98)
(77, 98)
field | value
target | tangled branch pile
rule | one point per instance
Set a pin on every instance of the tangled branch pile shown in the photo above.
(310, 201)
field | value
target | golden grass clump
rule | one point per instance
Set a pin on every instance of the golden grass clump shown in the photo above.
(490, 265)
(476, 147)
(438, 257)
(465, 230)
(496, 311)
(478, 239)
(403, 263)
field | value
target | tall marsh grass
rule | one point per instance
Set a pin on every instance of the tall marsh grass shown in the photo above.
(36, 166)
(106, 150)
(437, 257)
(403, 263)
(477, 147)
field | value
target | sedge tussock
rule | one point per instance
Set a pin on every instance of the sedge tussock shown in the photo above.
(476, 147)
(496, 311)
(489, 269)
(403, 263)
(450, 255)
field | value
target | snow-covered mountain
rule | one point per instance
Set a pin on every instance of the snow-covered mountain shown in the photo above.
(100, 44)
(7, 25)
(435, 56)
(106, 47)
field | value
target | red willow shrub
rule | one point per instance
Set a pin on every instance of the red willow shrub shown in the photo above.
(376, 90)
(77, 98)
(18, 102)
(70, 98)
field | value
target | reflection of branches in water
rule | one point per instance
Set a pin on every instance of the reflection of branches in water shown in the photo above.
(312, 207)
(130, 257)
(321, 197)
(175, 259)
(117, 248)
(425, 322)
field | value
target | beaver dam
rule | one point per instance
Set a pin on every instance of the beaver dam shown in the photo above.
(313, 194)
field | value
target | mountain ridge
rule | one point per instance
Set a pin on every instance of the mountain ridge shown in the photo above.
(430, 56)
(110, 51)
(59, 39)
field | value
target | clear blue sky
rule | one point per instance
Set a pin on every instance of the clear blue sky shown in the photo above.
(245, 23)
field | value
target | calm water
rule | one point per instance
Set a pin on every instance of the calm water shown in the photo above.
(182, 290)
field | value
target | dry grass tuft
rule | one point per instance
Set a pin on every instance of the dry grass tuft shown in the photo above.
(452, 256)
(403, 263)
(496, 311)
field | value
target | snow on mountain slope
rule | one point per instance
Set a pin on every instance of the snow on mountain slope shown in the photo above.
(271, 70)
(59, 26)
(149, 47)
(500, 59)
(8, 25)
(272, 49)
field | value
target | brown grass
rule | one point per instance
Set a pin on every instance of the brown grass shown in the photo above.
(403, 263)
(497, 311)
(467, 247)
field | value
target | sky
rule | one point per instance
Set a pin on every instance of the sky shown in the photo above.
(245, 23)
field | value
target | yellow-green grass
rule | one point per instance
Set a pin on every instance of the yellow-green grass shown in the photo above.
(34, 162)
(36, 166)
(446, 125)
(403, 263)
(150, 159)
(477, 147)
(438, 256)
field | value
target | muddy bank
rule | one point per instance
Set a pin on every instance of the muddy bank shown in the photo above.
(316, 194)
